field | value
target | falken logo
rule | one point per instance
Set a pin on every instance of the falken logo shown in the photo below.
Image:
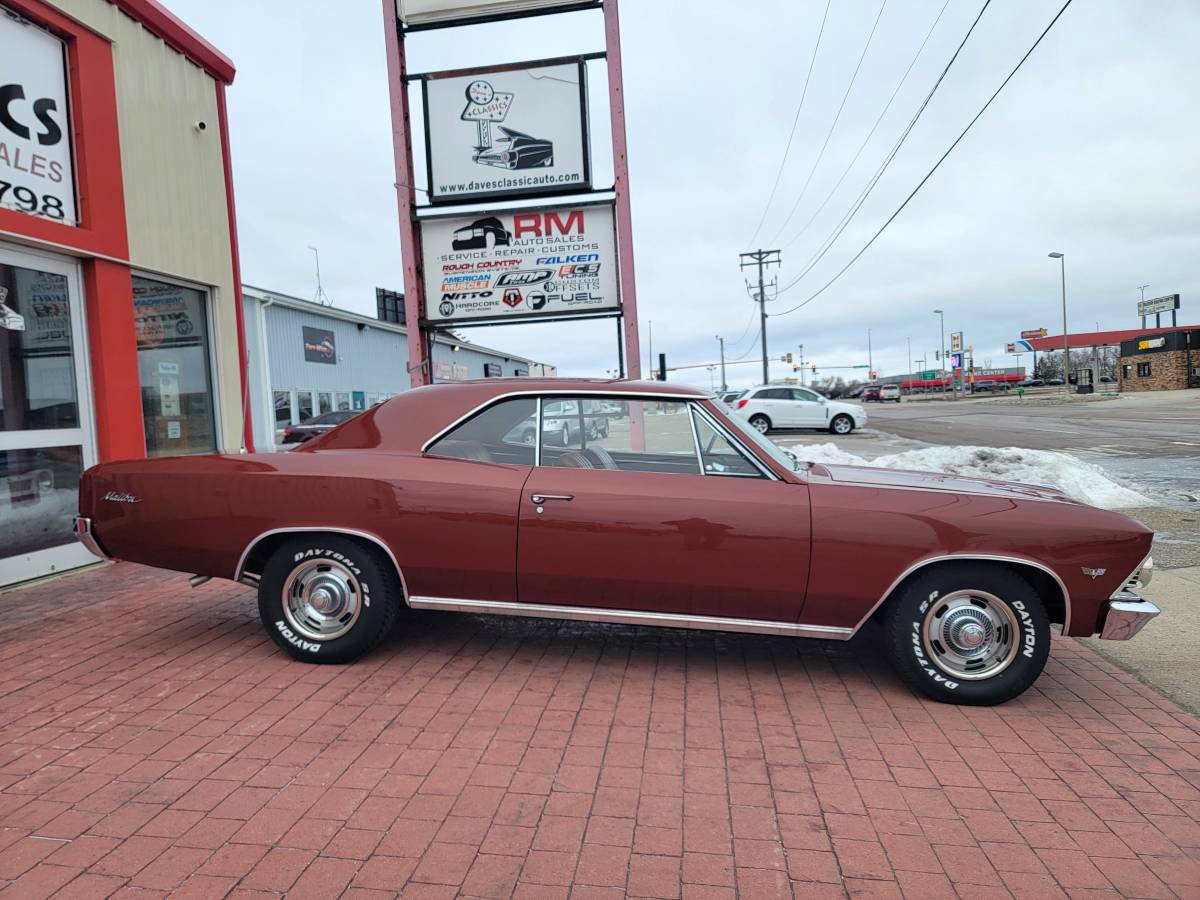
(118, 497)
(1093, 573)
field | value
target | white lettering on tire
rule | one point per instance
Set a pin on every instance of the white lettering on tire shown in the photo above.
(294, 640)
(924, 663)
(1028, 635)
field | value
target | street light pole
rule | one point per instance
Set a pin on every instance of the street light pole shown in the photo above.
(724, 386)
(1066, 341)
(1142, 288)
(942, 346)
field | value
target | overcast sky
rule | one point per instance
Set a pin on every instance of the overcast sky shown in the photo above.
(1090, 150)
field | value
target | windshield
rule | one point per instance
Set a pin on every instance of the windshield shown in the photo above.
(743, 429)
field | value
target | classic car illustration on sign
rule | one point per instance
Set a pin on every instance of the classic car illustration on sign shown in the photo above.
(655, 507)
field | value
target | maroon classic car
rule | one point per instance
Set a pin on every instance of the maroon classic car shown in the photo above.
(658, 508)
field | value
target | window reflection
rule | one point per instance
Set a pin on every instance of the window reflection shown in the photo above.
(37, 368)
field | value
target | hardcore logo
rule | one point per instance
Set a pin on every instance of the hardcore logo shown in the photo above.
(446, 308)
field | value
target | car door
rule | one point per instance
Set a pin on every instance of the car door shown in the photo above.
(777, 406)
(632, 522)
(807, 408)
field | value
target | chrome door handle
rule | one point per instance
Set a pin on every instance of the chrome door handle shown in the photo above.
(542, 498)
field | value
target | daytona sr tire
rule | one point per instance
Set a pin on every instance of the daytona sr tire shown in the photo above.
(328, 598)
(968, 633)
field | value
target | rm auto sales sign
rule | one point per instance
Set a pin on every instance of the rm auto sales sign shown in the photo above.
(556, 261)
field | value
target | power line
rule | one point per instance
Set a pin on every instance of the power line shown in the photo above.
(871, 133)
(833, 125)
(795, 120)
(936, 165)
(866, 191)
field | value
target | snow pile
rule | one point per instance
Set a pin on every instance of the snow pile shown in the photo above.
(1085, 482)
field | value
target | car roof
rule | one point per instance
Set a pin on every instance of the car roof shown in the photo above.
(408, 420)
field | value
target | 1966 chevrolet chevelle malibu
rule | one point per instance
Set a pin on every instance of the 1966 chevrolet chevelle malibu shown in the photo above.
(656, 507)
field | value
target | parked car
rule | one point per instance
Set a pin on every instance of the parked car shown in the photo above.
(872, 393)
(519, 151)
(729, 397)
(1107, 379)
(422, 502)
(771, 407)
(1033, 382)
(889, 392)
(310, 428)
(1057, 382)
(988, 387)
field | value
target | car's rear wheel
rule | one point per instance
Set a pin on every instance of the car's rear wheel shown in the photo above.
(760, 423)
(328, 598)
(968, 633)
(841, 424)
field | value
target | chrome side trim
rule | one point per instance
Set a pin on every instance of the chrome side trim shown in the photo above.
(239, 574)
(82, 526)
(509, 395)
(952, 557)
(629, 617)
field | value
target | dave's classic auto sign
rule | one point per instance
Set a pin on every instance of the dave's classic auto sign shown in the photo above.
(35, 145)
(507, 132)
(551, 262)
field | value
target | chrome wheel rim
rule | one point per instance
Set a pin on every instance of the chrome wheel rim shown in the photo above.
(760, 425)
(971, 635)
(841, 426)
(322, 599)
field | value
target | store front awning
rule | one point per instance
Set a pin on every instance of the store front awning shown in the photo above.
(1082, 339)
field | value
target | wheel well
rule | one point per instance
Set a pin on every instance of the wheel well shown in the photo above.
(1046, 585)
(265, 546)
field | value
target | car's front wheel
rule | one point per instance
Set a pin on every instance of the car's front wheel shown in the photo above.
(841, 424)
(760, 423)
(327, 598)
(968, 633)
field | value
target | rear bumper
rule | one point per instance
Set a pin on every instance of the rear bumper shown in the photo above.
(83, 531)
(1127, 615)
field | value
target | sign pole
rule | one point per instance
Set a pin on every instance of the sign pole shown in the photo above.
(616, 100)
(419, 355)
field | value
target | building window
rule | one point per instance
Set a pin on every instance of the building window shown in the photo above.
(283, 408)
(325, 402)
(304, 410)
(174, 368)
(1126, 371)
(1143, 370)
(343, 401)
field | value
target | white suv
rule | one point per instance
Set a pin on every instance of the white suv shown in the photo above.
(770, 407)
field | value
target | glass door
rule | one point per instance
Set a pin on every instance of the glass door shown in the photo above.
(46, 435)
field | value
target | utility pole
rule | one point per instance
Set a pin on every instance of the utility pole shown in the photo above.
(870, 358)
(909, 359)
(650, 328)
(1142, 288)
(724, 385)
(762, 259)
(802, 365)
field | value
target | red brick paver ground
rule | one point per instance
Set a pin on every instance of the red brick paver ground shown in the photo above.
(152, 740)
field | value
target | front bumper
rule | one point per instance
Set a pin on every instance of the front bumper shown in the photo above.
(82, 527)
(1127, 615)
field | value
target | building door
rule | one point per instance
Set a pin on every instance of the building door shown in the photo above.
(46, 435)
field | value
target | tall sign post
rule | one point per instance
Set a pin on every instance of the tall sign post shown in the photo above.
(496, 137)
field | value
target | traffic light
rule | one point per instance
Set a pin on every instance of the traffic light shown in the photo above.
(662, 367)
(814, 365)
(788, 358)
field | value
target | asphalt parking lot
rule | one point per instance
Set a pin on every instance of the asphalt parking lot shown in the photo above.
(153, 741)
(1147, 425)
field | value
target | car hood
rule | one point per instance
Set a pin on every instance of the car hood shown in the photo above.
(837, 406)
(938, 481)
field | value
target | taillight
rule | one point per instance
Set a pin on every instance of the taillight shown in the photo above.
(742, 403)
(287, 432)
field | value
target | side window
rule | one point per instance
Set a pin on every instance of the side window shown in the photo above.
(806, 396)
(719, 455)
(503, 433)
(618, 434)
(773, 394)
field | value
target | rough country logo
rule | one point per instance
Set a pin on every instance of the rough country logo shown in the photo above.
(515, 150)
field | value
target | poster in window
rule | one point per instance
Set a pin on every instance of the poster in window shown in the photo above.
(319, 346)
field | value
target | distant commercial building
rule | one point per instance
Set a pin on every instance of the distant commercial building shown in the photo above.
(306, 359)
(1161, 361)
